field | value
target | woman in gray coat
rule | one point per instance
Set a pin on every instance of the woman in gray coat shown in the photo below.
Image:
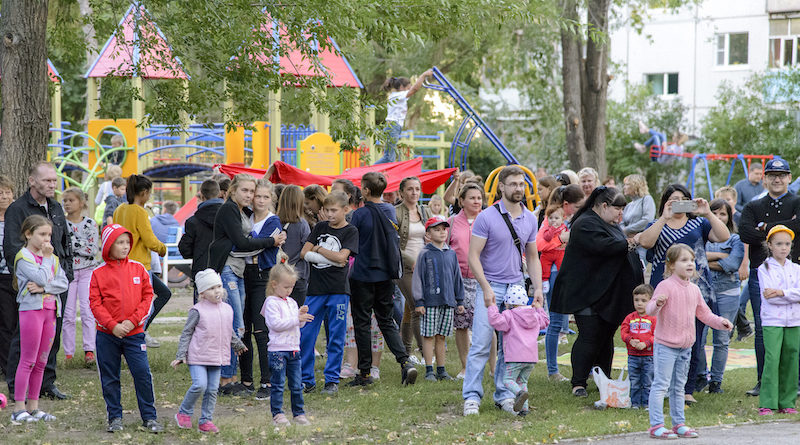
(639, 212)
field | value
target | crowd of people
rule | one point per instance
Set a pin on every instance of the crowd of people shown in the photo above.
(279, 264)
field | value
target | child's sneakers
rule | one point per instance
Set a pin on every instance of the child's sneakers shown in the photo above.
(360, 380)
(471, 407)
(114, 425)
(301, 420)
(520, 399)
(375, 372)
(430, 376)
(68, 357)
(765, 412)
(280, 420)
(263, 393)
(152, 426)
(408, 374)
(330, 389)
(208, 427)
(347, 371)
(787, 411)
(88, 358)
(184, 420)
(444, 376)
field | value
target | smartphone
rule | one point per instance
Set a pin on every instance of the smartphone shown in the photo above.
(684, 206)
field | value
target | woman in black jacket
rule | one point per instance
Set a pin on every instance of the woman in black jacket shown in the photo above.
(600, 300)
(226, 254)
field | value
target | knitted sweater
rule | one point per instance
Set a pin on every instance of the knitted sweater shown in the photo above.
(675, 319)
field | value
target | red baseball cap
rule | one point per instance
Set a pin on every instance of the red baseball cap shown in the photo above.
(435, 221)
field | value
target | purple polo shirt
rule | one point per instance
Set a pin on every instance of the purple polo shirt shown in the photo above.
(500, 257)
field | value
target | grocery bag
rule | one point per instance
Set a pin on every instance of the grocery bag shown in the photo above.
(615, 393)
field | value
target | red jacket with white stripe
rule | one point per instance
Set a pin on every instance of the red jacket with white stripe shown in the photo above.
(119, 289)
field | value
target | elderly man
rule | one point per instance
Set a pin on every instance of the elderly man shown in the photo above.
(38, 200)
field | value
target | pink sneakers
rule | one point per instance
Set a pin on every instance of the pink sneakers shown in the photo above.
(184, 420)
(787, 411)
(208, 427)
(765, 412)
(301, 420)
(280, 420)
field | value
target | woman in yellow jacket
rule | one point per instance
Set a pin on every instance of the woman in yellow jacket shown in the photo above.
(134, 217)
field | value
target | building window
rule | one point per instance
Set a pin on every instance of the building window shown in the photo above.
(662, 83)
(731, 49)
(783, 42)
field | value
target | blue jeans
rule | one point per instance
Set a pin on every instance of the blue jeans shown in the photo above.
(478, 355)
(285, 365)
(205, 382)
(755, 303)
(390, 152)
(669, 378)
(558, 323)
(236, 294)
(727, 306)
(640, 373)
(109, 352)
(399, 302)
(335, 307)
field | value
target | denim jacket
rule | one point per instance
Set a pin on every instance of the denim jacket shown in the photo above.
(727, 280)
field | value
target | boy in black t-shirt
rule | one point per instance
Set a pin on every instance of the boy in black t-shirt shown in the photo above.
(327, 250)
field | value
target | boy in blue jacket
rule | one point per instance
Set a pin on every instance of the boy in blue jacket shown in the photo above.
(437, 289)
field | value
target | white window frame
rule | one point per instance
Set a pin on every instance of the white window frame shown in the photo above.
(783, 39)
(726, 51)
(665, 93)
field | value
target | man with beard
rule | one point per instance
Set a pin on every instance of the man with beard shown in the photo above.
(778, 206)
(38, 200)
(499, 234)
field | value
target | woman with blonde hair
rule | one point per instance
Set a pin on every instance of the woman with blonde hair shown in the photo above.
(588, 179)
(639, 212)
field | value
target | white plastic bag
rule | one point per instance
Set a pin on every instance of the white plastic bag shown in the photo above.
(613, 393)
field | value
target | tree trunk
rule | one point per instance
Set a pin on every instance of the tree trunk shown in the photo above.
(90, 39)
(585, 88)
(25, 88)
(571, 67)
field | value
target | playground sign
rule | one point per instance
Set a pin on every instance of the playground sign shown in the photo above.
(320, 154)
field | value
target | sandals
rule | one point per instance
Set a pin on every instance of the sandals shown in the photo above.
(660, 432)
(685, 432)
(21, 417)
(43, 416)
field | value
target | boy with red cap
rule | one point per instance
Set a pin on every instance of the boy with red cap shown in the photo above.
(120, 294)
(437, 289)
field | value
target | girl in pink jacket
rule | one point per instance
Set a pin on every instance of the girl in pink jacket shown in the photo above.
(520, 324)
(284, 320)
(205, 345)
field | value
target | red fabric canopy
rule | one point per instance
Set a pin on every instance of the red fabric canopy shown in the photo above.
(283, 173)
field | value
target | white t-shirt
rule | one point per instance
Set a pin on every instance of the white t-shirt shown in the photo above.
(398, 107)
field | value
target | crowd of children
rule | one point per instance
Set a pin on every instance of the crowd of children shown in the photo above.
(348, 257)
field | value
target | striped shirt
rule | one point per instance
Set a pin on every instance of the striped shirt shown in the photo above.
(694, 234)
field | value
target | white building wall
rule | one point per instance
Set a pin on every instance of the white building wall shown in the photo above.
(685, 43)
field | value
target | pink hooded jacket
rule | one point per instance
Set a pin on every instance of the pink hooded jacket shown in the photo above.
(520, 327)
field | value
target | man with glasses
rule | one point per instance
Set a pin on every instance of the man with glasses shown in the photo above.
(778, 206)
(495, 258)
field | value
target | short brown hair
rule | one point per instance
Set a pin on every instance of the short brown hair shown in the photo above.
(643, 289)
(336, 198)
(552, 209)
(119, 182)
(209, 189)
(375, 182)
(726, 189)
(170, 207)
(509, 170)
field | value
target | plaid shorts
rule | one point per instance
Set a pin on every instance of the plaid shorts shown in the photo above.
(438, 320)
(464, 321)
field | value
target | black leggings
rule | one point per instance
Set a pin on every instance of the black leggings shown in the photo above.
(163, 295)
(593, 347)
(255, 286)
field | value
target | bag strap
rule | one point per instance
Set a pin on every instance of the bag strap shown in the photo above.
(514, 236)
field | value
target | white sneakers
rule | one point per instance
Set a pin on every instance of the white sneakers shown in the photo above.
(471, 407)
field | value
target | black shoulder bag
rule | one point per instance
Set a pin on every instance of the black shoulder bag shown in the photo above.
(517, 243)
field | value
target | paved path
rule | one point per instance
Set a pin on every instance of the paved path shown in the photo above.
(775, 433)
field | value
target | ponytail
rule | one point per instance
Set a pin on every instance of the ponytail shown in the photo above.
(137, 184)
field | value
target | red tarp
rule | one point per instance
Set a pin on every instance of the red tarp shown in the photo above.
(283, 173)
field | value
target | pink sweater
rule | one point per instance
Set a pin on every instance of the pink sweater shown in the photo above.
(520, 327)
(281, 315)
(675, 326)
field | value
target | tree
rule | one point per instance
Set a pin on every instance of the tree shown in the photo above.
(585, 84)
(25, 83)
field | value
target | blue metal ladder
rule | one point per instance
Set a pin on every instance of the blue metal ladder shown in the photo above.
(462, 138)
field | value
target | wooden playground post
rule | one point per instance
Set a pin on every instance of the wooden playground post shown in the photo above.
(373, 154)
(274, 125)
(319, 120)
(55, 112)
(137, 105)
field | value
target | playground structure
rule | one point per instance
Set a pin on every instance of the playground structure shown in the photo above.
(703, 158)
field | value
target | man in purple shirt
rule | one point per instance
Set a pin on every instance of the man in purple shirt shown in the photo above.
(497, 264)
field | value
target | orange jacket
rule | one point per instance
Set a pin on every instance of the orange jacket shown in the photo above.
(119, 289)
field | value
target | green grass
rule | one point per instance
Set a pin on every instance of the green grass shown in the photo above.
(387, 412)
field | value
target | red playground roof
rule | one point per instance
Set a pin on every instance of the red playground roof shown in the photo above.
(121, 56)
(52, 72)
(332, 63)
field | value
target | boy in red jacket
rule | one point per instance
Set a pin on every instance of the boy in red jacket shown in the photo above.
(637, 332)
(120, 294)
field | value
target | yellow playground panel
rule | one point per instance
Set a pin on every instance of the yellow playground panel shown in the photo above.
(319, 154)
(95, 129)
(532, 198)
(234, 145)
